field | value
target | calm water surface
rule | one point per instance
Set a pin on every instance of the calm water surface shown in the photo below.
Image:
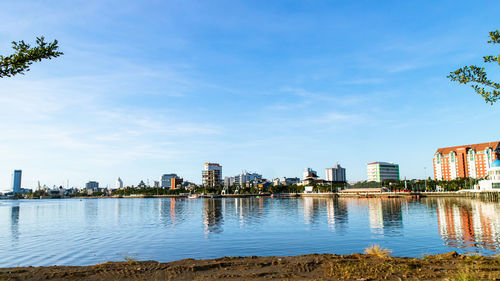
(82, 232)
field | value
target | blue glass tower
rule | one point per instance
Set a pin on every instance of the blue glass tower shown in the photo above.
(16, 182)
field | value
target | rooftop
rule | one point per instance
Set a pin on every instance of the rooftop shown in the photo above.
(478, 147)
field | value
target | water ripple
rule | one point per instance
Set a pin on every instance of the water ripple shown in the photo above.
(82, 232)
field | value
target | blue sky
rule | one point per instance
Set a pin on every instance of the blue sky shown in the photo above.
(152, 87)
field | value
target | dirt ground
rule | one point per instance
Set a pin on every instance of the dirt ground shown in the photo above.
(450, 266)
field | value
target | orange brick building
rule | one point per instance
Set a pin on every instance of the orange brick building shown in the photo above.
(175, 182)
(466, 161)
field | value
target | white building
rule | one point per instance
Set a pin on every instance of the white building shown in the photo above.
(379, 171)
(492, 181)
(308, 172)
(336, 173)
(289, 181)
(119, 183)
(245, 177)
(229, 181)
(242, 178)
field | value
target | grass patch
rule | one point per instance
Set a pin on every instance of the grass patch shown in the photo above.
(376, 250)
(465, 276)
(474, 257)
(130, 260)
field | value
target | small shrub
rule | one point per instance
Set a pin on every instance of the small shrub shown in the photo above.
(130, 260)
(376, 250)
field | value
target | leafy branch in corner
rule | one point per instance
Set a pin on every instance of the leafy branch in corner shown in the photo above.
(477, 76)
(25, 55)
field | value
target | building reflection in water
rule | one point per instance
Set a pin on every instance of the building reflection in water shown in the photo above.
(392, 213)
(212, 215)
(385, 215)
(336, 211)
(14, 222)
(313, 208)
(376, 215)
(248, 210)
(308, 203)
(468, 224)
(339, 214)
(170, 211)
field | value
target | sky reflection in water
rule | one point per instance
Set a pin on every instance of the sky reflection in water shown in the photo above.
(81, 232)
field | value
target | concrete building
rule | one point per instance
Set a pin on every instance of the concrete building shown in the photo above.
(310, 177)
(16, 181)
(176, 183)
(242, 179)
(289, 181)
(276, 181)
(465, 161)
(119, 183)
(308, 173)
(166, 180)
(379, 171)
(492, 181)
(91, 185)
(212, 175)
(245, 177)
(229, 181)
(336, 174)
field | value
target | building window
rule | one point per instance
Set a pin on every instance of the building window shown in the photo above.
(495, 185)
(452, 157)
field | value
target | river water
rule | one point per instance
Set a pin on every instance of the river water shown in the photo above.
(90, 231)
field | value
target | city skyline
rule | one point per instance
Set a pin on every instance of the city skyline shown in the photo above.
(148, 88)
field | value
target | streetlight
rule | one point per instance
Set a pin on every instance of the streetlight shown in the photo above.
(425, 177)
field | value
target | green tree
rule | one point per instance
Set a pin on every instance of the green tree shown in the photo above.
(25, 55)
(477, 76)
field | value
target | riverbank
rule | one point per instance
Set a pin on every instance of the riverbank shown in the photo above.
(495, 195)
(449, 266)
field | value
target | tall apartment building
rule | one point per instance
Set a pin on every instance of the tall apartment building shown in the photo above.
(379, 171)
(212, 175)
(336, 174)
(166, 180)
(465, 161)
(16, 181)
(119, 183)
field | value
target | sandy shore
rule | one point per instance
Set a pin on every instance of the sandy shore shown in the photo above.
(450, 266)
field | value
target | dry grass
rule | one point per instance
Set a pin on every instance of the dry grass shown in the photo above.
(465, 276)
(474, 257)
(130, 260)
(376, 250)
